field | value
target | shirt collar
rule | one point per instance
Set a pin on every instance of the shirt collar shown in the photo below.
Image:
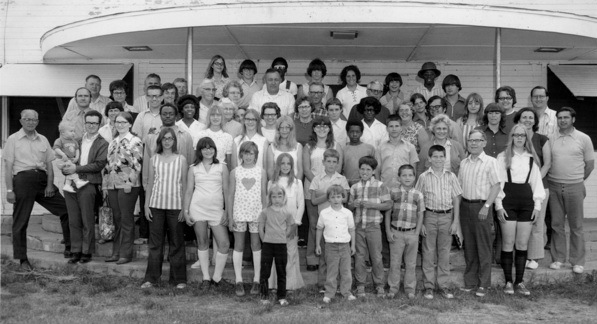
(86, 138)
(21, 133)
(481, 157)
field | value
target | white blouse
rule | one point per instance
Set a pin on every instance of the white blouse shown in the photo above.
(519, 169)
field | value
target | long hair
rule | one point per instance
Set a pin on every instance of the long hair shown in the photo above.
(128, 117)
(163, 132)
(291, 136)
(476, 97)
(205, 142)
(273, 189)
(329, 141)
(278, 167)
(216, 109)
(528, 146)
(255, 115)
(209, 73)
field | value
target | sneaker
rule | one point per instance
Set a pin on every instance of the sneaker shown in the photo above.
(381, 293)
(466, 289)
(351, 298)
(532, 264)
(446, 294)
(386, 267)
(181, 286)
(326, 300)
(521, 289)
(360, 291)
(265, 302)
(283, 302)
(140, 241)
(509, 288)
(80, 183)
(368, 266)
(215, 283)
(556, 265)
(322, 290)
(428, 294)
(390, 295)
(301, 244)
(411, 296)
(578, 269)
(205, 284)
(480, 292)
(146, 285)
(240, 289)
(68, 188)
(196, 265)
(255, 289)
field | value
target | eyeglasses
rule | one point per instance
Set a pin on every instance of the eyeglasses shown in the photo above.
(519, 135)
(91, 124)
(153, 96)
(168, 114)
(435, 107)
(322, 127)
(284, 128)
(475, 141)
(505, 98)
(118, 93)
(250, 119)
(121, 122)
(210, 89)
(304, 107)
(375, 91)
(270, 115)
(539, 97)
(279, 67)
(319, 93)
(30, 120)
(208, 149)
(167, 139)
(219, 63)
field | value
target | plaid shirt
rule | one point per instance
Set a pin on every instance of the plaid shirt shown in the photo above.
(320, 113)
(407, 205)
(373, 191)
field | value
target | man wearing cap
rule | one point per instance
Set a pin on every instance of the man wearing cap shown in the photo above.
(429, 73)
(455, 101)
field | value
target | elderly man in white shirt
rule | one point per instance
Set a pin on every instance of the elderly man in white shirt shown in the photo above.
(272, 93)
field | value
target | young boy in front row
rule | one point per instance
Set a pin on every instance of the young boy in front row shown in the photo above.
(368, 197)
(403, 226)
(442, 192)
(319, 197)
(336, 224)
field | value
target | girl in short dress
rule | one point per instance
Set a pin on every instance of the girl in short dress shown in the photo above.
(207, 181)
(246, 199)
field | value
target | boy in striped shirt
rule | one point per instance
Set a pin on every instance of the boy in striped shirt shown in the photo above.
(442, 192)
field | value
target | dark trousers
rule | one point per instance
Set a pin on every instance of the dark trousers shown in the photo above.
(477, 244)
(142, 221)
(123, 206)
(29, 187)
(273, 253)
(166, 220)
(80, 206)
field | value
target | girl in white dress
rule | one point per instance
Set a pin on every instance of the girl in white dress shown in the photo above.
(285, 142)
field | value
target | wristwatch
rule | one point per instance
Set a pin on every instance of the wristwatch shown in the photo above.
(8, 190)
(487, 205)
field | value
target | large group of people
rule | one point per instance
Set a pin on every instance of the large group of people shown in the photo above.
(367, 172)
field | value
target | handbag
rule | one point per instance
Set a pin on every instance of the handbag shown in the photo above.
(106, 222)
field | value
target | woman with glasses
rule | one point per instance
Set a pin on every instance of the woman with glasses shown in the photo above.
(214, 131)
(121, 184)
(473, 115)
(520, 205)
(393, 97)
(351, 93)
(251, 133)
(163, 209)
(230, 125)
(303, 120)
(216, 72)
(235, 93)
(118, 89)
(112, 110)
(270, 112)
(505, 97)
(437, 106)
(420, 105)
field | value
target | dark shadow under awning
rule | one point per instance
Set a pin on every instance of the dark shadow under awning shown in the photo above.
(581, 80)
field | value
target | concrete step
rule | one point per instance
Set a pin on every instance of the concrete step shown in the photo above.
(51, 224)
(6, 222)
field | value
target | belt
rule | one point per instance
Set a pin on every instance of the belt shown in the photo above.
(473, 201)
(447, 211)
(32, 170)
(401, 229)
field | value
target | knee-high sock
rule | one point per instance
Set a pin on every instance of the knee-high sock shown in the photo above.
(257, 265)
(507, 265)
(220, 264)
(237, 261)
(519, 264)
(204, 260)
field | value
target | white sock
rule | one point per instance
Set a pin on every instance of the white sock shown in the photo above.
(257, 265)
(220, 264)
(204, 260)
(237, 261)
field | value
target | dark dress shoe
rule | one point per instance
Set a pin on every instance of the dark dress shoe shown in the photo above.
(76, 258)
(312, 268)
(25, 265)
(123, 261)
(68, 254)
(112, 259)
(85, 258)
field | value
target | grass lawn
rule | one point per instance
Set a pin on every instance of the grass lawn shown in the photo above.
(62, 296)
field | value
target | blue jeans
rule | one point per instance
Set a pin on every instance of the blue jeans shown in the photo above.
(566, 200)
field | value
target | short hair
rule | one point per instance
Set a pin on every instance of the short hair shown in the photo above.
(154, 76)
(509, 90)
(179, 80)
(93, 113)
(270, 105)
(436, 148)
(333, 101)
(82, 88)
(371, 102)
(93, 76)
(212, 111)
(113, 105)
(168, 105)
(500, 110)
(205, 142)
(298, 102)
(443, 102)
(231, 84)
(65, 125)
(280, 60)
(316, 83)
(155, 87)
(118, 84)
(336, 190)
(275, 188)
(345, 71)
(209, 73)
(568, 109)
(392, 77)
(416, 96)
(248, 147)
(168, 86)
(394, 117)
(527, 109)
(31, 110)
(317, 65)
(354, 122)
(451, 79)
(188, 99)
(441, 118)
(406, 167)
(331, 153)
(270, 70)
(540, 88)
(247, 65)
(368, 160)
(477, 131)
(163, 132)
(374, 82)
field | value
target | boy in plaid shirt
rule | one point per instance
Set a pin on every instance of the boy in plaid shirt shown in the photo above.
(368, 198)
(403, 225)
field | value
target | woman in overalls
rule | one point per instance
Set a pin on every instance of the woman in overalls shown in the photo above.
(519, 204)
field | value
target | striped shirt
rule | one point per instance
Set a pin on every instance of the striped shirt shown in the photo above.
(167, 183)
(477, 176)
(407, 205)
(373, 191)
(439, 189)
(548, 123)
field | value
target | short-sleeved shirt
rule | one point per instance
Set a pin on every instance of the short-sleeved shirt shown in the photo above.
(222, 140)
(77, 117)
(373, 191)
(68, 146)
(435, 91)
(322, 182)
(477, 176)
(276, 223)
(391, 157)
(336, 225)
(569, 154)
(284, 100)
(375, 134)
(439, 189)
(352, 154)
(26, 153)
(146, 120)
(339, 129)
(407, 203)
